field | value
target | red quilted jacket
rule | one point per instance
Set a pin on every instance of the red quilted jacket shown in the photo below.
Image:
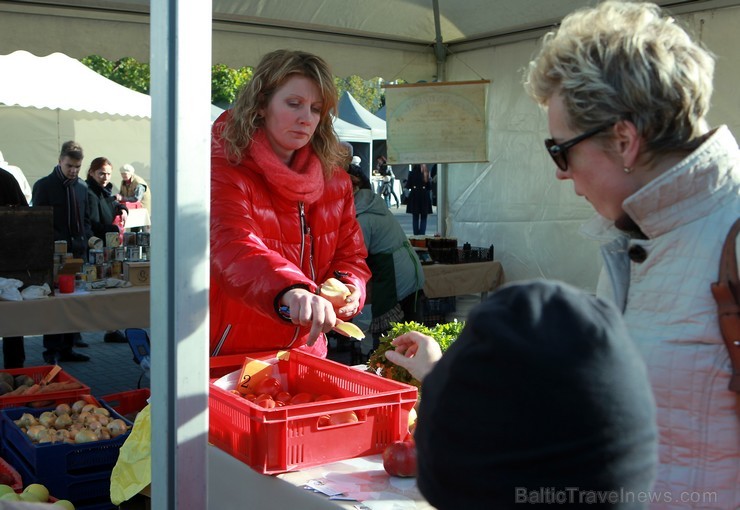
(272, 229)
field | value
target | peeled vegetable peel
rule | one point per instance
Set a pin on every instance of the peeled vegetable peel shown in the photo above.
(349, 329)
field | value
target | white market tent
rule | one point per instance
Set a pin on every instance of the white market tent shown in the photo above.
(353, 112)
(45, 101)
(513, 201)
(27, 78)
(360, 138)
(48, 100)
(351, 133)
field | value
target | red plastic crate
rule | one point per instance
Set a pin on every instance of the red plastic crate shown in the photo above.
(291, 437)
(128, 403)
(47, 399)
(11, 474)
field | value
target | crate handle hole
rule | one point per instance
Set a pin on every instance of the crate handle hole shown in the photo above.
(340, 419)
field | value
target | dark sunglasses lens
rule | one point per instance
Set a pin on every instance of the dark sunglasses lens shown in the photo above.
(558, 156)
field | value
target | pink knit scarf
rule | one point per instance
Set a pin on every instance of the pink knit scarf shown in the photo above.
(303, 181)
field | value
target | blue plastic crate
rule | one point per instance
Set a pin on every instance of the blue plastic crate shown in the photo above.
(50, 458)
(87, 492)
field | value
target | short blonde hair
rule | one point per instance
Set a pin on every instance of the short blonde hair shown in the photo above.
(272, 72)
(624, 60)
(128, 168)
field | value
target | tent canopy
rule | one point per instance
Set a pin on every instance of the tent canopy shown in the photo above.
(411, 22)
(58, 81)
(351, 133)
(45, 101)
(387, 38)
(56, 98)
(353, 112)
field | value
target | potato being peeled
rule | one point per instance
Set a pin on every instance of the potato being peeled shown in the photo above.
(335, 292)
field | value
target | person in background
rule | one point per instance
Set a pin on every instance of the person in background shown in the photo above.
(397, 278)
(387, 187)
(11, 194)
(135, 192)
(543, 391)
(104, 208)
(67, 194)
(282, 212)
(134, 188)
(104, 211)
(19, 176)
(356, 161)
(419, 202)
(627, 93)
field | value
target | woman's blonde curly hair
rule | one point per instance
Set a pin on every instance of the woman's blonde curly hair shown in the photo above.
(271, 73)
(625, 60)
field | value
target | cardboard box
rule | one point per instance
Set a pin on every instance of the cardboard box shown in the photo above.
(136, 272)
(71, 266)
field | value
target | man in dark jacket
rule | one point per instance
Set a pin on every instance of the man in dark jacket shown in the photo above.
(67, 194)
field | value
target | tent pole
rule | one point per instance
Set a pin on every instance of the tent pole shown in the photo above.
(180, 37)
(440, 52)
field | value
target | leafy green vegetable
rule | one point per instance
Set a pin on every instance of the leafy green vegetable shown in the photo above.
(444, 334)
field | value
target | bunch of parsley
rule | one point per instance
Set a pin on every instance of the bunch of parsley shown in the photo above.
(444, 334)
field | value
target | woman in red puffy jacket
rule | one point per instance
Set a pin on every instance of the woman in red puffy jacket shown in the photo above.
(282, 212)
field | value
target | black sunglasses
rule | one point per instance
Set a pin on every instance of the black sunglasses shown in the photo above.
(557, 151)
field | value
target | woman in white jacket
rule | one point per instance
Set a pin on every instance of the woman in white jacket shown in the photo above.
(627, 92)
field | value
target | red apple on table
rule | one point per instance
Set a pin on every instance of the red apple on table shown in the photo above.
(399, 459)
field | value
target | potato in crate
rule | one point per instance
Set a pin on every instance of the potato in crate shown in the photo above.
(333, 412)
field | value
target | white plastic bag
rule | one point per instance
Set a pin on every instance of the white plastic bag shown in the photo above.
(9, 289)
(36, 291)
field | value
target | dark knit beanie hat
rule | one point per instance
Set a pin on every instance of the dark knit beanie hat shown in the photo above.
(542, 399)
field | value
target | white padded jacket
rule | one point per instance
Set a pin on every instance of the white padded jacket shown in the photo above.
(662, 284)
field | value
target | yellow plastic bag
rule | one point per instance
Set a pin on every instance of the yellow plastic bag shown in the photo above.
(133, 470)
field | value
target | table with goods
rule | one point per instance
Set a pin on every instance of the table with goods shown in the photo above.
(107, 291)
(453, 270)
(344, 433)
(59, 443)
(286, 417)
